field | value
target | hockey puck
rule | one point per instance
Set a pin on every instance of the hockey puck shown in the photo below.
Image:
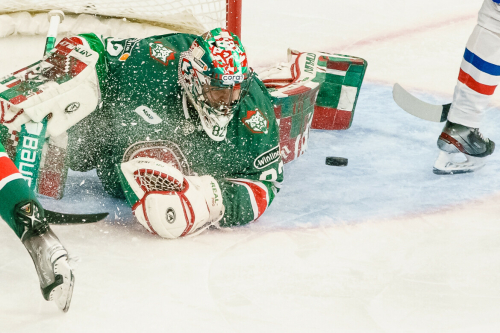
(336, 161)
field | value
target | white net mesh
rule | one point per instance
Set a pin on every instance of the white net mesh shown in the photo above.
(178, 15)
(151, 180)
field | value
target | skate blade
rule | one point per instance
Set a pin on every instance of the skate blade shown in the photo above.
(63, 293)
(446, 164)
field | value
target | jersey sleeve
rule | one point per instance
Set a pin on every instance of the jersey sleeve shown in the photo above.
(88, 140)
(96, 44)
(248, 197)
(112, 52)
(249, 193)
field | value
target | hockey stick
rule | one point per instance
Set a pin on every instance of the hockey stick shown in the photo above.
(419, 108)
(63, 218)
(55, 17)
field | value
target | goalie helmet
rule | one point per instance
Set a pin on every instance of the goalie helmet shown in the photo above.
(215, 76)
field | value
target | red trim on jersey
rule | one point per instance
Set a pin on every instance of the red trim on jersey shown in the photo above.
(474, 85)
(259, 194)
(7, 167)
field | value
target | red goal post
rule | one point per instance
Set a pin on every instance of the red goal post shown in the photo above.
(233, 16)
(192, 16)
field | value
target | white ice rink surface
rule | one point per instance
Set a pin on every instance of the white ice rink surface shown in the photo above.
(382, 245)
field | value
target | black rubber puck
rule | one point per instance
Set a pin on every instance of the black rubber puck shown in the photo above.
(336, 161)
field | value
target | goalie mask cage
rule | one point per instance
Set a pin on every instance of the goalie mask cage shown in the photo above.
(193, 16)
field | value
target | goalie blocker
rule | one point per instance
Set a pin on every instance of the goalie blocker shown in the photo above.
(63, 86)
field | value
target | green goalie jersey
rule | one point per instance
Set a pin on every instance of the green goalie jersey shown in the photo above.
(142, 115)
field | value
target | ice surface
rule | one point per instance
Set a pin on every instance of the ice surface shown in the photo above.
(382, 245)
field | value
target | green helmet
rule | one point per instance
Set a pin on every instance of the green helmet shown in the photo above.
(215, 76)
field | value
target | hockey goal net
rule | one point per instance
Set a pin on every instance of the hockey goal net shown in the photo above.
(192, 16)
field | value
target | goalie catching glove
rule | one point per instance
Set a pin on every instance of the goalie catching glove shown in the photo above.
(166, 202)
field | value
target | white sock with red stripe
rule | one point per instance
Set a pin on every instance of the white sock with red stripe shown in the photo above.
(478, 78)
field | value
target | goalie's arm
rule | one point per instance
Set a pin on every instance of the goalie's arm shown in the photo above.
(245, 199)
(172, 205)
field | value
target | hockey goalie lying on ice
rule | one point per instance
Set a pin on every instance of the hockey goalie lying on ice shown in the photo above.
(178, 124)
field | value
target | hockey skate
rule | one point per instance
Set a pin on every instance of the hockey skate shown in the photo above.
(48, 254)
(463, 149)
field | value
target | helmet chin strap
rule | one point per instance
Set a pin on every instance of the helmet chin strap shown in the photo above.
(208, 121)
(184, 105)
(215, 126)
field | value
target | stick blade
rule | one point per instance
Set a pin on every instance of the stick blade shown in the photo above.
(61, 218)
(417, 107)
